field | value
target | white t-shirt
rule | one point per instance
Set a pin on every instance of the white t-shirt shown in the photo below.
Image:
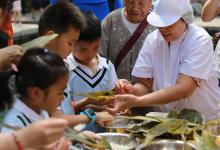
(82, 80)
(192, 54)
(130, 26)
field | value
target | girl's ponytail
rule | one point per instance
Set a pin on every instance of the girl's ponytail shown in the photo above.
(5, 93)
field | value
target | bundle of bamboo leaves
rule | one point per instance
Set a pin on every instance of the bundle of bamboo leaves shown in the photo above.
(186, 125)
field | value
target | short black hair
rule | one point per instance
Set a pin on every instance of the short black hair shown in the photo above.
(6, 5)
(59, 17)
(93, 29)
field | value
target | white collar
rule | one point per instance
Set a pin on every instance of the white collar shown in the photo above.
(129, 25)
(72, 63)
(33, 116)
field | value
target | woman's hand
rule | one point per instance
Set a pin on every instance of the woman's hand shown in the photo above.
(122, 103)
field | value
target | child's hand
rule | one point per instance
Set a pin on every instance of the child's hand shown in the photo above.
(104, 118)
(123, 86)
(99, 102)
(97, 105)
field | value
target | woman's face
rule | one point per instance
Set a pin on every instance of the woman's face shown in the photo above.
(173, 32)
(137, 10)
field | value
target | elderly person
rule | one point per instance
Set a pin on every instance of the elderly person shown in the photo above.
(123, 33)
(175, 67)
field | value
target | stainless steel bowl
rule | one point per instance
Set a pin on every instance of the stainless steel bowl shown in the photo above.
(119, 141)
(119, 125)
(168, 145)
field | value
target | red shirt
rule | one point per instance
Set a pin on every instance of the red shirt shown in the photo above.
(7, 27)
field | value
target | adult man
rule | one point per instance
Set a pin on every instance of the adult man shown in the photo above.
(175, 67)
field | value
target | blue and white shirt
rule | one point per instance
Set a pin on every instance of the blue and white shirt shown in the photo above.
(82, 80)
(20, 115)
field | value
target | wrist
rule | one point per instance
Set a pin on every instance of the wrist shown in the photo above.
(137, 101)
(19, 144)
(90, 114)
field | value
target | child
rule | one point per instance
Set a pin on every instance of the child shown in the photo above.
(66, 20)
(89, 72)
(40, 81)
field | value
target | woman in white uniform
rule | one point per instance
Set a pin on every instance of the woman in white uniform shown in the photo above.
(175, 68)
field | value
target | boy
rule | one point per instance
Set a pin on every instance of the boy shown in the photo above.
(66, 20)
(89, 71)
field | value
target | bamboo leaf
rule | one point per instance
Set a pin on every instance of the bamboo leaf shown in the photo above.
(207, 142)
(99, 95)
(161, 129)
(73, 136)
(38, 42)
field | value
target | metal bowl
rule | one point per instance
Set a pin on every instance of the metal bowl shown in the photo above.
(168, 145)
(119, 125)
(119, 141)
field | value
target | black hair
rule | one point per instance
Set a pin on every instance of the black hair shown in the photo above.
(6, 5)
(4, 38)
(37, 68)
(93, 29)
(59, 17)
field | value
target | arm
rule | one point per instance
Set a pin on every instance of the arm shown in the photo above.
(210, 10)
(184, 87)
(101, 118)
(71, 119)
(7, 142)
(143, 86)
(45, 132)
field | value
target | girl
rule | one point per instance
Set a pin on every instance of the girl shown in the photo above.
(40, 81)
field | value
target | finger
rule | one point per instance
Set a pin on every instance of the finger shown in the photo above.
(121, 83)
(112, 111)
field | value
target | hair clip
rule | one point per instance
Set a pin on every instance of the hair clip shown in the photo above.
(46, 50)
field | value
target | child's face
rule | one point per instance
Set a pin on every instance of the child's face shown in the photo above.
(85, 51)
(55, 94)
(64, 44)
